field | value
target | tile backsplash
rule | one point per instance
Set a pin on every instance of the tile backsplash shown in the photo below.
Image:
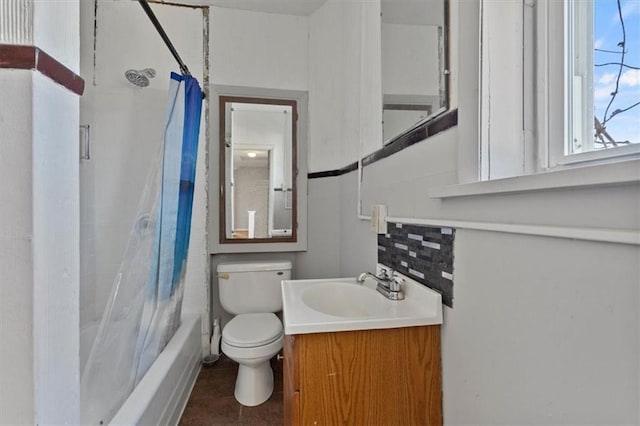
(424, 253)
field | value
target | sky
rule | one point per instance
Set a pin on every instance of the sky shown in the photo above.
(607, 35)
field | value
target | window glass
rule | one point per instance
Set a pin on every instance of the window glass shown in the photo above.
(604, 75)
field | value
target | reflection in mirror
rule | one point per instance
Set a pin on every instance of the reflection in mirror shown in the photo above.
(414, 64)
(257, 163)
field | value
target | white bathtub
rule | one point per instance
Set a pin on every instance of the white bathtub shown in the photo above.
(162, 394)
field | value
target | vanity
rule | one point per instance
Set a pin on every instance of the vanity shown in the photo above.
(351, 356)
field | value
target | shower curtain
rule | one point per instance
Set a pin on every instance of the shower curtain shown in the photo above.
(143, 310)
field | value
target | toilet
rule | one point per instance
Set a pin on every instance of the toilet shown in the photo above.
(251, 291)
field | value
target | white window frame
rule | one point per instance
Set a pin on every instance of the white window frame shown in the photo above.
(579, 70)
(502, 148)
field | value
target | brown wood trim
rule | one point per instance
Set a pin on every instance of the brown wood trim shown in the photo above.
(408, 107)
(331, 173)
(22, 57)
(17, 57)
(294, 160)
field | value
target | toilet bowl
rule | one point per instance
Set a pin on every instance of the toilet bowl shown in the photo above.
(252, 340)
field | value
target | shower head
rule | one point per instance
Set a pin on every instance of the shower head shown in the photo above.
(140, 77)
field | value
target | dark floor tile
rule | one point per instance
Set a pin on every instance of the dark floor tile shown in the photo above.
(215, 383)
(211, 402)
(266, 414)
(220, 411)
(222, 363)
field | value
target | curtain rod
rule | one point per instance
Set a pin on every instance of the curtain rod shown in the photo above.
(165, 37)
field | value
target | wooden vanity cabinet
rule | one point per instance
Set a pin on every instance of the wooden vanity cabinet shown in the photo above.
(386, 377)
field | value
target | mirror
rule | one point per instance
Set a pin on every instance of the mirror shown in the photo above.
(414, 64)
(257, 170)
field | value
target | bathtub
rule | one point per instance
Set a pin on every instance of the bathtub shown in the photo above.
(162, 394)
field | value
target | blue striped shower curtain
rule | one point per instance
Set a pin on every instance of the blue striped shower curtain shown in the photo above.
(143, 311)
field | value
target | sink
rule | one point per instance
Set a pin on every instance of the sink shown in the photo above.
(343, 304)
(342, 299)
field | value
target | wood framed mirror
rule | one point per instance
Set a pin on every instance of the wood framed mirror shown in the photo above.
(258, 194)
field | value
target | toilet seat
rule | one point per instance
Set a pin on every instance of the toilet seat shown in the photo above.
(252, 330)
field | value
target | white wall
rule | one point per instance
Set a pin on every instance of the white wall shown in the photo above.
(56, 253)
(39, 261)
(256, 49)
(340, 245)
(39, 362)
(370, 80)
(333, 94)
(543, 331)
(344, 82)
(55, 30)
(406, 70)
(17, 21)
(16, 250)
(358, 245)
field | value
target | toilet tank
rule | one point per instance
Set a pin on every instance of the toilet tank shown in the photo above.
(246, 287)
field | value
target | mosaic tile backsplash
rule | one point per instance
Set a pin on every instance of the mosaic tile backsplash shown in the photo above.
(424, 253)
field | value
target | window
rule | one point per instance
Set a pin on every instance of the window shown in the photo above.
(602, 78)
(547, 103)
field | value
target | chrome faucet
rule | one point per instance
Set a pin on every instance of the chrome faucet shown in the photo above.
(388, 285)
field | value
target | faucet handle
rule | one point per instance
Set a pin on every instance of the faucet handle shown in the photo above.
(395, 282)
(384, 274)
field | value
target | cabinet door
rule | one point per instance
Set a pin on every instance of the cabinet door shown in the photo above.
(291, 391)
(389, 376)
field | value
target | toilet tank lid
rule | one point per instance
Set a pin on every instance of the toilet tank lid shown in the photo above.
(274, 265)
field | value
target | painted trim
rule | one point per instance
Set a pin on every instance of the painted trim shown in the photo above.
(13, 56)
(618, 173)
(337, 172)
(616, 236)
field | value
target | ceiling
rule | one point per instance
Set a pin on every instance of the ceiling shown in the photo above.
(407, 12)
(241, 158)
(284, 7)
(413, 12)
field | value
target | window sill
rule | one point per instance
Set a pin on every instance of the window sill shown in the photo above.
(622, 172)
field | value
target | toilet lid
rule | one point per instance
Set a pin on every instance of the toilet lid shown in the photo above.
(249, 330)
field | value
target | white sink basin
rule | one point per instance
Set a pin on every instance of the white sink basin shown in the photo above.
(342, 304)
(342, 299)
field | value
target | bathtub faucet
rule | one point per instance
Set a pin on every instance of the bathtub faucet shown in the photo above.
(389, 285)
